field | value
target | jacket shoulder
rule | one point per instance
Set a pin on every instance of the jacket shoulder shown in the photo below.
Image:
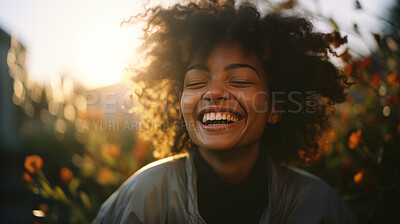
(154, 173)
(314, 200)
(147, 189)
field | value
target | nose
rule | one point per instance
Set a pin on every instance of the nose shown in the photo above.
(216, 91)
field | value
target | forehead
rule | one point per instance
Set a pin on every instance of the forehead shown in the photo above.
(223, 54)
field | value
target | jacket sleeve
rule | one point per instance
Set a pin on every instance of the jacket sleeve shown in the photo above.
(310, 200)
(133, 202)
(321, 205)
(154, 194)
(339, 212)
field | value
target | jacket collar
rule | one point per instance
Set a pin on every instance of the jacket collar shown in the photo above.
(275, 192)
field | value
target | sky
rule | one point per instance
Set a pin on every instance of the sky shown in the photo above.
(84, 39)
(345, 15)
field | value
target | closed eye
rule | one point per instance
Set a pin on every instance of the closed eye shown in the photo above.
(241, 84)
(196, 85)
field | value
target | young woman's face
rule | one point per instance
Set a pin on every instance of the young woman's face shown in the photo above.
(224, 99)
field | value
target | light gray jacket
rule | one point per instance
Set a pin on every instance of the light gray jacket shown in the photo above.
(165, 192)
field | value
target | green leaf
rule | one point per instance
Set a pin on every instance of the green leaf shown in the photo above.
(73, 186)
(62, 195)
(47, 190)
(85, 199)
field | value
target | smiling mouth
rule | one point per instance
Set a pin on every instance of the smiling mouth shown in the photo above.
(220, 118)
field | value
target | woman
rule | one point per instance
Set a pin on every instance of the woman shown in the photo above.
(255, 93)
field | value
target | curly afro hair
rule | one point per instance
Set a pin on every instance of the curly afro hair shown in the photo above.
(294, 55)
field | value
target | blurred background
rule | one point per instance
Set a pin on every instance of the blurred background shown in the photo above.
(69, 130)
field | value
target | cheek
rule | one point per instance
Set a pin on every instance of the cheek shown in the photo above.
(255, 101)
(260, 103)
(258, 120)
(188, 102)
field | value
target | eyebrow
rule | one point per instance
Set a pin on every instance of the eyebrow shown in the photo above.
(226, 68)
(199, 67)
(235, 66)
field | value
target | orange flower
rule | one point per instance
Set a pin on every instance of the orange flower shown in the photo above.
(105, 176)
(364, 179)
(302, 154)
(355, 139)
(95, 115)
(110, 150)
(44, 207)
(394, 79)
(363, 64)
(27, 178)
(33, 163)
(375, 79)
(83, 116)
(388, 137)
(367, 62)
(66, 174)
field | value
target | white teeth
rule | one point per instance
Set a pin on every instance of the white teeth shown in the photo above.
(219, 116)
(212, 116)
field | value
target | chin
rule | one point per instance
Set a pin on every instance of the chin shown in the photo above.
(218, 145)
(217, 148)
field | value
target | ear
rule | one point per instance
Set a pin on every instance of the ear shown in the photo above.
(274, 117)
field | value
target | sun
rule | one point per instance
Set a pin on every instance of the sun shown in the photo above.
(103, 54)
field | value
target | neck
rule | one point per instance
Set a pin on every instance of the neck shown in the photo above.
(232, 165)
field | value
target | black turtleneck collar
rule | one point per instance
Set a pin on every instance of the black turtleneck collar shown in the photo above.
(224, 202)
